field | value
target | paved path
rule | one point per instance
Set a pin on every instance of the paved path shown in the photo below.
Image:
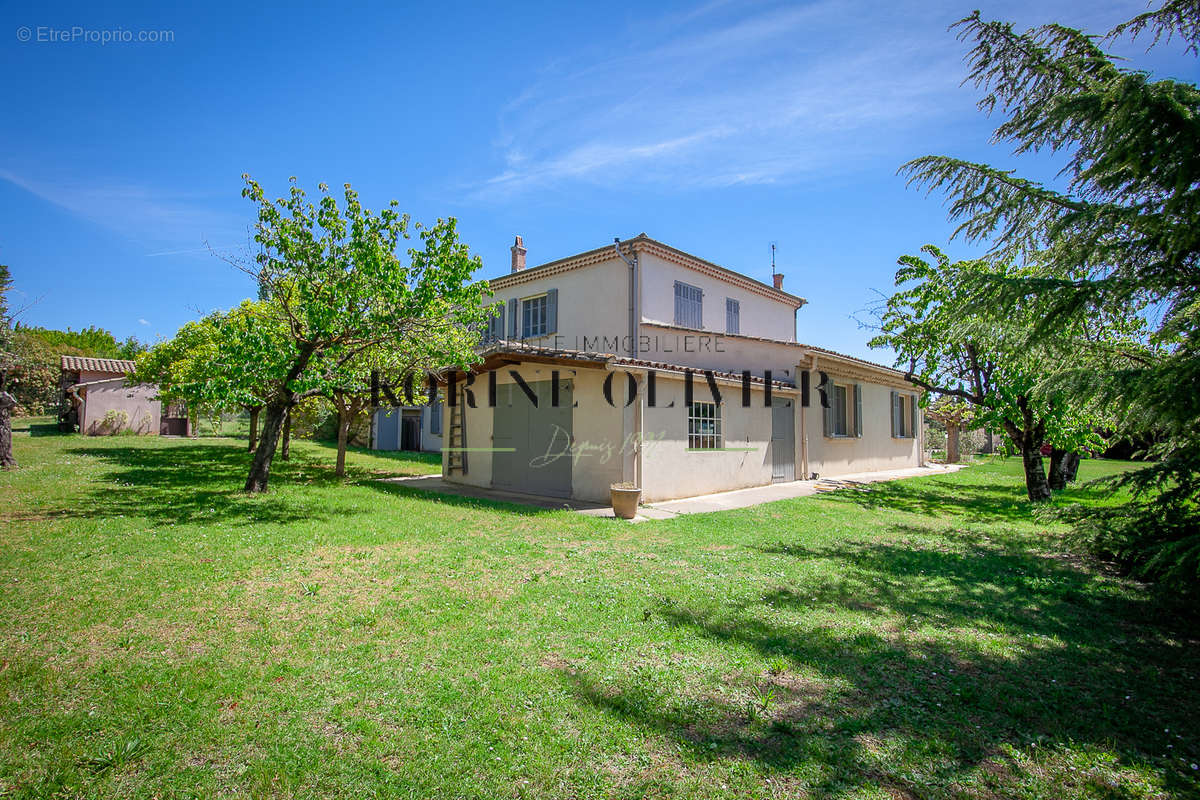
(743, 498)
(702, 504)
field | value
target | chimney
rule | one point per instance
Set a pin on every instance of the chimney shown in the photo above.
(778, 276)
(518, 255)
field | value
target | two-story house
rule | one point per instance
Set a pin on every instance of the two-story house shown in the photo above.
(590, 362)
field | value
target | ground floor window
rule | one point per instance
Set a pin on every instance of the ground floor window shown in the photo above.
(841, 411)
(843, 417)
(704, 426)
(904, 416)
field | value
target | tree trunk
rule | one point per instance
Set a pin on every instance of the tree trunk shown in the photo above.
(1036, 485)
(344, 419)
(1058, 469)
(260, 467)
(1072, 467)
(7, 404)
(253, 429)
(952, 454)
(285, 452)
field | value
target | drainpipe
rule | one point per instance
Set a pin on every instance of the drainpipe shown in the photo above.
(634, 285)
(638, 421)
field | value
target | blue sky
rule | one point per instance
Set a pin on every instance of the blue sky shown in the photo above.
(717, 127)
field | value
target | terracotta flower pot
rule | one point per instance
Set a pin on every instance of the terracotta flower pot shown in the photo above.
(625, 502)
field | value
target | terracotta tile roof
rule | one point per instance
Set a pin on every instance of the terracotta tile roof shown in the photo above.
(821, 350)
(117, 366)
(503, 347)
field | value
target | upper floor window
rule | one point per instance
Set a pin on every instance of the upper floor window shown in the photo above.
(704, 426)
(733, 314)
(535, 318)
(689, 305)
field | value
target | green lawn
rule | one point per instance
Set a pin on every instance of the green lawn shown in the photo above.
(162, 635)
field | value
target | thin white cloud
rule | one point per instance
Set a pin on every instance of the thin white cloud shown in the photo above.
(740, 93)
(143, 322)
(186, 251)
(138, 212)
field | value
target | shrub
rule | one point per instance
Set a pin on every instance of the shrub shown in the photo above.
(115, 420)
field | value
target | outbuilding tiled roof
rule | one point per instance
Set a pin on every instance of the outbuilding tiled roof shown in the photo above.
(117, 366)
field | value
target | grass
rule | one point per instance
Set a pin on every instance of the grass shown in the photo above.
(163, 635)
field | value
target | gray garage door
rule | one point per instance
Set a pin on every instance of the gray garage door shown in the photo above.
(783, 440)
(540, 462)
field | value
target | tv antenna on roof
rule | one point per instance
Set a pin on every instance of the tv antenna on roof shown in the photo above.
(772, 259)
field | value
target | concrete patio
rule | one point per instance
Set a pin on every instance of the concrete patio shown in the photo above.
(701, 504)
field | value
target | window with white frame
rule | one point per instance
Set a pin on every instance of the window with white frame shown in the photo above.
(704, 426)
(843, 416)
(535, 317)
(733, 314)
(904, 416)
(841, 410)
(689, 305)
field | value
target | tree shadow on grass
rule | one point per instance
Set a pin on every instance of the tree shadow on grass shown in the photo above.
(958, 497)
(938, 497)
(461, 501)
(202, 481)
(37, 426)
(948, 657)
(408, 461)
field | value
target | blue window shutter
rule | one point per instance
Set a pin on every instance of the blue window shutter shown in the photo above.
(858, 410)
(912, 405)
(551, 311)
(895, 413)
(689, 305)
(500, 321)
(512, 319)
(827, 416)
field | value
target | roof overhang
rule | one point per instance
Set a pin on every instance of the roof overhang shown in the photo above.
(644, 244)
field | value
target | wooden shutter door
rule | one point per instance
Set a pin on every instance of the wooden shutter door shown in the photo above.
(551, 311)
(858, 410)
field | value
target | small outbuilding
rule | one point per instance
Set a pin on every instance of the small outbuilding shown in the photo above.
(99, 400)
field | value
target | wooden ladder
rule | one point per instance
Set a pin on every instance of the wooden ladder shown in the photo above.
(457, 457)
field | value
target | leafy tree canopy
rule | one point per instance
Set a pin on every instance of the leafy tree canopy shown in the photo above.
(1121, 237)
(348, 294)
(90, 341)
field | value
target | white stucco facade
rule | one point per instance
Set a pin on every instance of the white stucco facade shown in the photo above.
(601, 313)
